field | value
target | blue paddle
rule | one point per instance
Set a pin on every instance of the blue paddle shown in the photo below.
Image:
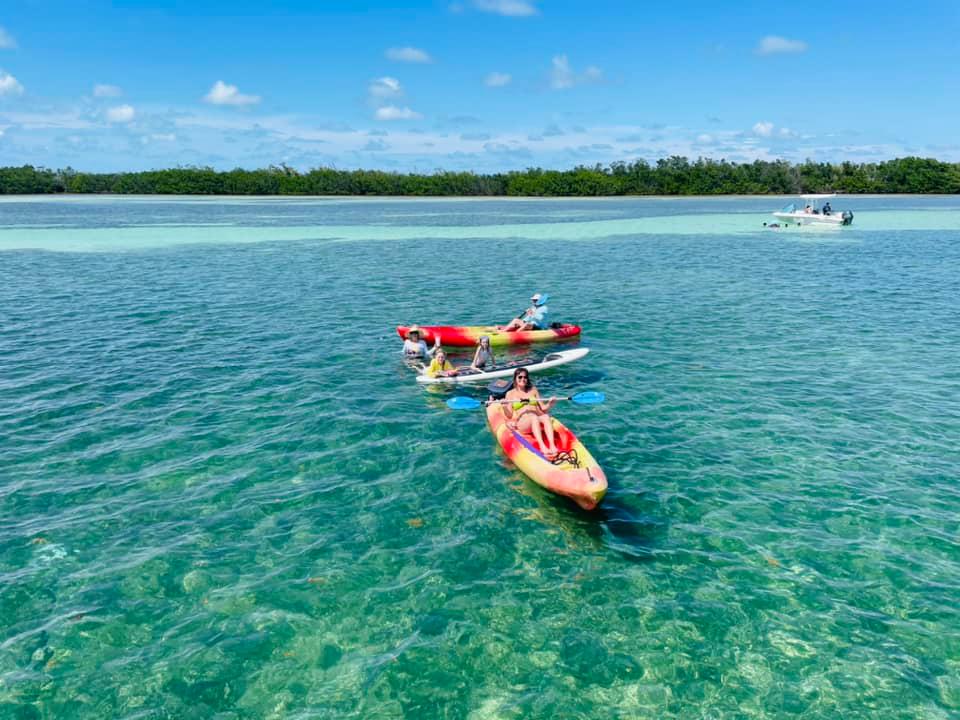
(588, 397)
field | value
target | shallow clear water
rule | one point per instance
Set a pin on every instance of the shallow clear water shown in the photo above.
(223, 495)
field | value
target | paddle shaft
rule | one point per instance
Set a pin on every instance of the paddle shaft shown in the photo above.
(526, 401)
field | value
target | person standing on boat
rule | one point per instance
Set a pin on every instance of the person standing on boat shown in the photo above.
(827, 210)
(533, 318)
(416, 349)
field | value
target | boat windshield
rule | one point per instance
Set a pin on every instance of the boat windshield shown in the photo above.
(789, 208)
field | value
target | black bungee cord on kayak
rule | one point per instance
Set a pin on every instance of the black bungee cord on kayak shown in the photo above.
(567, 457)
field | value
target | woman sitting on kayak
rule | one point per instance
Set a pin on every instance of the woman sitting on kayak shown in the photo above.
(483, 358)
(527, 413)
(440, 366)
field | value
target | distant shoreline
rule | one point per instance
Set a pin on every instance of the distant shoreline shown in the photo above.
(669, 177)
(478, 198)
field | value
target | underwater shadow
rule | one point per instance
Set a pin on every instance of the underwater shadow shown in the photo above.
(620, 523)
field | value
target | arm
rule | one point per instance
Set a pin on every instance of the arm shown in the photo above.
(507, 408)
(545, 406)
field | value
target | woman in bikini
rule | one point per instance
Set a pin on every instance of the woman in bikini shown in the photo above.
(527, 413)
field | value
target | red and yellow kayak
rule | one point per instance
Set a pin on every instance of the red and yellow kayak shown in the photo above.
(469, 335)
(576, 476)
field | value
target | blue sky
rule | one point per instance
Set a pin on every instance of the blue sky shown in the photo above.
(481, 85)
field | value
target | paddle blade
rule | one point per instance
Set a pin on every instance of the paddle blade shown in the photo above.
(589, 397)
(463, 403)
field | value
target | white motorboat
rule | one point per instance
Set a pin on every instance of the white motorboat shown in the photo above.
(814, 210)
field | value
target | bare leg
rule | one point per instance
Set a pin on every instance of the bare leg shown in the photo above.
(548, 431)
(530, 423)
(534, 425)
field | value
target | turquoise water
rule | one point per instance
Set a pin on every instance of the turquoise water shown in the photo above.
(222, 494)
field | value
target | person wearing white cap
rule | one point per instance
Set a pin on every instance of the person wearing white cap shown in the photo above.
(533, 318)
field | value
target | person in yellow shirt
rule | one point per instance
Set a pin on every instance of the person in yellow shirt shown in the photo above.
(440, 366)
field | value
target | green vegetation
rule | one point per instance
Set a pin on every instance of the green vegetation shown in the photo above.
(670, 176)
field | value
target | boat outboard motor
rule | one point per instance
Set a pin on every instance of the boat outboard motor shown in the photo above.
(847, 217)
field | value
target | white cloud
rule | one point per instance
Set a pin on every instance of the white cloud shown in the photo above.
(496, 79)
(774, 45)
(385, 87)
(704, 139)
(107, 91)
(391, 112)
(592, 74)
(562, 76)
(9, 84)
(223, 94)
(786, 132)
(6, 40)
(408, 55)
(763, 129)
(121, 114)
(510, 8)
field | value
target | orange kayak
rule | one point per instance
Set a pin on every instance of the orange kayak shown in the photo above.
(469, 335)
(575, 474)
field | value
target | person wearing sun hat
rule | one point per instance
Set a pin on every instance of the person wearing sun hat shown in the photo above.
(415, 348)
(534, 317)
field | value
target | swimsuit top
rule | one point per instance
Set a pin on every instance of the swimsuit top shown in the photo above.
(484, 357)
(518, 404)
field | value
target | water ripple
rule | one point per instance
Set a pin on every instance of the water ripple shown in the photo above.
(222, 494)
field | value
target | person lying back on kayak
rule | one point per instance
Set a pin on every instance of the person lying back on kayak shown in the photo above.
(414, 347)
(527, 413)
(533, 318)
(483, 357)
(440, 366)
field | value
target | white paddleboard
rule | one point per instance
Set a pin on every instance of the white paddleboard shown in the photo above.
(561, 357)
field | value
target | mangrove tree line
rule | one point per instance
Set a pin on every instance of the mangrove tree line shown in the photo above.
(670, 176)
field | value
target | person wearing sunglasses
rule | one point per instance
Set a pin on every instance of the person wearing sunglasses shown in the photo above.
(533, 318)
(526, 412)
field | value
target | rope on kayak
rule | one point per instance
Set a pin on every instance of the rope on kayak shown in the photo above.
(567, 457)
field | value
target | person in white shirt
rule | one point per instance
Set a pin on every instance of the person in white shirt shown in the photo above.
(416, 349)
